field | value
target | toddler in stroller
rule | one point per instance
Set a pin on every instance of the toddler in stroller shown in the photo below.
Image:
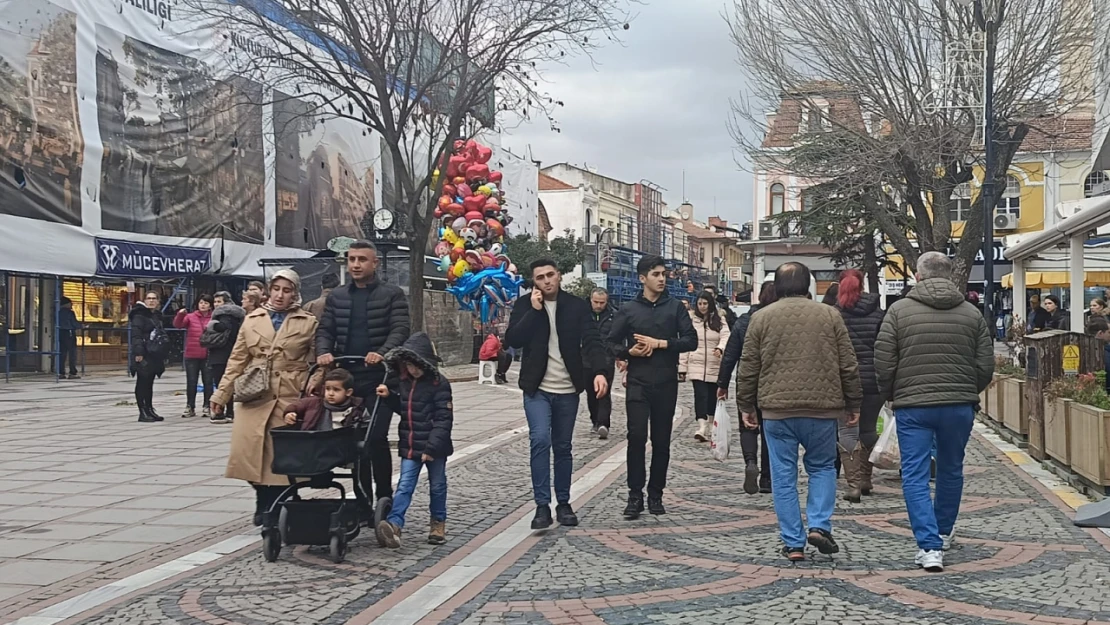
(337, 408)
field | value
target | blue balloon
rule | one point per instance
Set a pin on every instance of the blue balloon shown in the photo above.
(487, 291)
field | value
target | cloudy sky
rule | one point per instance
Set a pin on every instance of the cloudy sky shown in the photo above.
(652, 107)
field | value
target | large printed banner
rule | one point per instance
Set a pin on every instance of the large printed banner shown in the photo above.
(137, 120)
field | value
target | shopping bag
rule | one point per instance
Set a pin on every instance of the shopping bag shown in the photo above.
(885, 454)
(722, 427)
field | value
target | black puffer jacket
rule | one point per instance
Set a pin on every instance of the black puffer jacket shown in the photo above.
(386, 308)
(144, 322)
(220, 333)
(604, 321)
(734, 349)
(424, 403)
(863, 321)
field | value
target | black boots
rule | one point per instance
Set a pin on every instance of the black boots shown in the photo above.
(635, 506)
(542, 520)
(565, 515)
(146, 413)
(655, 504)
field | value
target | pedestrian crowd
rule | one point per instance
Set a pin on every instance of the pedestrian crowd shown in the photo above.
(810, 375)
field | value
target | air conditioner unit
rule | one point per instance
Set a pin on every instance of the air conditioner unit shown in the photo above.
(1005, 221)
(766, 230)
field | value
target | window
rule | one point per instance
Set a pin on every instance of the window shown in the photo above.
(1009, 203)
(589, 222)
(960, 209)
(778, 198)
(808, 201)
(814, 119)
(1094, 184)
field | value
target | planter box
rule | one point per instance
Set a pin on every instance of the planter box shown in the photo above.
(1014, 417)
(1087, 446)
(992, 407)
(1057, 429)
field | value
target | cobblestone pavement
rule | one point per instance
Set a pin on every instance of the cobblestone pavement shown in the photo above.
(712, 559)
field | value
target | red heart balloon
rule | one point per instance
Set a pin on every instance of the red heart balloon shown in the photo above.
(495, 177)
(477, 171)
(455, 210)
(484, 154)
(474, 203)
(472, 216)
(464, 191)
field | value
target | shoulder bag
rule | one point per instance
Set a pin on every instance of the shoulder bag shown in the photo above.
(254, 382)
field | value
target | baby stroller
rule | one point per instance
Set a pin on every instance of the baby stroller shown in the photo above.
(310, 459)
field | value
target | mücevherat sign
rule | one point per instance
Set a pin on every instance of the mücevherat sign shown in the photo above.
(130, 259)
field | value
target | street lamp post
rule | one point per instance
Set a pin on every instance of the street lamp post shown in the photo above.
(599, 235)
(990, 30)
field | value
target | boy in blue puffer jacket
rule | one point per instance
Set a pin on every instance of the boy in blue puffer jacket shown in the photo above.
(417, 391)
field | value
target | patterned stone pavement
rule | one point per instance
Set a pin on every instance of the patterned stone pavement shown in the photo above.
(712, 559)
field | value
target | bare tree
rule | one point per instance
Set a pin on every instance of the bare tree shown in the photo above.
(914, 70)
(420, 73)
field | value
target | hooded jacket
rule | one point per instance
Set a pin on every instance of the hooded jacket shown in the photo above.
(579, 344)
(313, 414)
(735, 346)
(604, 321)
(863, 321)
(193, 323)
(144, 322)
(703, 363)
(933, 349)
(220, 333)
(667, 319)
(424, 403)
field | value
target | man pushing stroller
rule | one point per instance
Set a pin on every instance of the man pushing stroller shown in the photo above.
(417, 391)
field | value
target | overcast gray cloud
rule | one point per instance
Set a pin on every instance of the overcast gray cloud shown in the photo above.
(653, 107)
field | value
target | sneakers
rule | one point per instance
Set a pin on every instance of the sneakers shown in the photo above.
(794, 554)
(217, 418)
(593, 429)
(189, 412)
(602, 432)
(947, 540)
(635, 506)
(437, 533)
(207, 412)
(702, 435)
(751, 478)
(823, 541)
(932, 561)
(542, 520)
(655, 504)
(390, 535)
(565, 515)
(765, 486)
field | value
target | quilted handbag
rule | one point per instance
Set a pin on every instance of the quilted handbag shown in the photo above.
(253, 384)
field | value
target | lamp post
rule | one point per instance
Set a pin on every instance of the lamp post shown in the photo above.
(987, 192)
(599, 234)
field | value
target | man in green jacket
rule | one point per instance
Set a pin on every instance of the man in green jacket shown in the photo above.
(933, 357)
(798, 360)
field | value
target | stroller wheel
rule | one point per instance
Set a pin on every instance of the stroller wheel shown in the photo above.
(271, 545)
(337, 548)
(381, 512)
(283, 525)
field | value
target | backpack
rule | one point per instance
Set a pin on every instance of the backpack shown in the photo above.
(158, 341)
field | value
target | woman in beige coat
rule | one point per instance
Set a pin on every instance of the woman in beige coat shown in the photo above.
(702, 365)
(283, 333)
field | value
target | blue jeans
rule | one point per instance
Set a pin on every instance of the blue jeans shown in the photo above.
(406, 484)
(818, 438)
(550, 428)
(950, 427)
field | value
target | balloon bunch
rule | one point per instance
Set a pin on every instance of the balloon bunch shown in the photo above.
(471, 249)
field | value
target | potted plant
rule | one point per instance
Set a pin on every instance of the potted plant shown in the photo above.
(1012, 396)
(1088, 420)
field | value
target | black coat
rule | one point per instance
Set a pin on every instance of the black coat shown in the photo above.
(220, 333)
(665, 318)
(579, 343)
(1060, 320)
(734, 349)
(424, 403)
(386, 308)
(604, 321)
(863, 321)
(145, 321)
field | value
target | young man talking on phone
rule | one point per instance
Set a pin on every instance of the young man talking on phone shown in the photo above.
(650, 332)
(563, 355)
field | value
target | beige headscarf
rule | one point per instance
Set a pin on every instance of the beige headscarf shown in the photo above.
(293, 278)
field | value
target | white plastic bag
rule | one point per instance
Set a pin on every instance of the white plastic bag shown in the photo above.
(885, 454)
(722, 427)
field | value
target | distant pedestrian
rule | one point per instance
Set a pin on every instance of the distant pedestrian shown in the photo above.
(148, 348)
(831, 294)
(316, 306)
(863, 317)
(1038, 316)
(196, 355)
(251, 301)
(702, 365)
(1059, 318)
(563, 355)
(218, 338)
(798, 360)
(933, 357)
(602, 409)
(650, 332)
(753, 441)
(68, 326)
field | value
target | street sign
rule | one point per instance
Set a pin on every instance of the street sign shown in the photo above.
(599, 278)
(1071, 359)
(735, 274)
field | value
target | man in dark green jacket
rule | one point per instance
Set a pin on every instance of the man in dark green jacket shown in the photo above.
(932, 358)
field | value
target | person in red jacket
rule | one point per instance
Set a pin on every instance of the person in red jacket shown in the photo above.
(195, 355)
(492, 350)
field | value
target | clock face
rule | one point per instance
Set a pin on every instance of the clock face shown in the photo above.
(383, 219)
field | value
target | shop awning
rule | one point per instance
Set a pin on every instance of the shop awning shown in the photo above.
(1048, 279)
